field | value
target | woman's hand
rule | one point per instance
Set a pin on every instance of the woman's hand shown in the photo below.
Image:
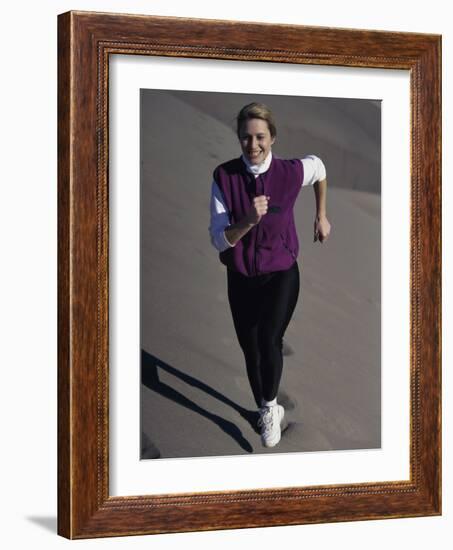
(258, 209)
(321, 229)
(235, 232)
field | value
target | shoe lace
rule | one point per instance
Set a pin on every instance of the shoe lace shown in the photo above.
(266, 419)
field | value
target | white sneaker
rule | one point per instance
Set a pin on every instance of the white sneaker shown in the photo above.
(270, 424)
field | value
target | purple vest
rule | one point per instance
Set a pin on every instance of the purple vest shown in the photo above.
(272, 244)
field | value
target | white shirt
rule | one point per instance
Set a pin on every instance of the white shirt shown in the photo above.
(314, 170)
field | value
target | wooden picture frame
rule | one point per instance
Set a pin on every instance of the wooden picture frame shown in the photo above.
(85, 42)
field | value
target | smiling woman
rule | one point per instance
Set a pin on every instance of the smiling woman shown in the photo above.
(256, 131)
(252, 226)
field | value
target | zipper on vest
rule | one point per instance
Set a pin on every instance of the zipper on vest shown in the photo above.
(258, 226)
(256, 248)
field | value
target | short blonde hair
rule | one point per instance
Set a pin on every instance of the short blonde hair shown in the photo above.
(256, 110)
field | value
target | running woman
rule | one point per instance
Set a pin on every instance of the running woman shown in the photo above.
(252, 226)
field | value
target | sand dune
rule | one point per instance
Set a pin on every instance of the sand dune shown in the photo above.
(343, 132)
(195, 398)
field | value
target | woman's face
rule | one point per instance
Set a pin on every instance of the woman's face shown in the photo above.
(256, 140)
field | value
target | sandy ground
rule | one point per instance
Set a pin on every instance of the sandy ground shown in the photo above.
(195, 397)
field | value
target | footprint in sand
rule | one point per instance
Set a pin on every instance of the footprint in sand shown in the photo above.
(149, 450)
(288, 402)
(287, 349)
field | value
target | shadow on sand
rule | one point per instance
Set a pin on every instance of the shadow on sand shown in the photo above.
(150, 367)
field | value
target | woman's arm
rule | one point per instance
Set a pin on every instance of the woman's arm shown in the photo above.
(220, 219)
(225, 235)
(235, 232)
(321, 225)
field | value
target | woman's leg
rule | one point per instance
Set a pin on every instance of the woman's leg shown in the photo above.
(279, 298)
(245, 309)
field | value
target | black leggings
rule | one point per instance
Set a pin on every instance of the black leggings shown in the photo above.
(262, 307)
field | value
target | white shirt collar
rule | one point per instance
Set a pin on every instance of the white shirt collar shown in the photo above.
(257, 169)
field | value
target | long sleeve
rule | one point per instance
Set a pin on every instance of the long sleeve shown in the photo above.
(220, 219)
(314, 170)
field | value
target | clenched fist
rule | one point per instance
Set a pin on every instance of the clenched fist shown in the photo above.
(258, 209)
(321, 229)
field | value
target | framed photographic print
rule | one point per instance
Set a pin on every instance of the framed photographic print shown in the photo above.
(296, 380)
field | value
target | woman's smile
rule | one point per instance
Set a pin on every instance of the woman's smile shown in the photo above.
(254, 154)
(256, 140)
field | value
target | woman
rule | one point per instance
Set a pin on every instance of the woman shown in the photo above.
(252, 226)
